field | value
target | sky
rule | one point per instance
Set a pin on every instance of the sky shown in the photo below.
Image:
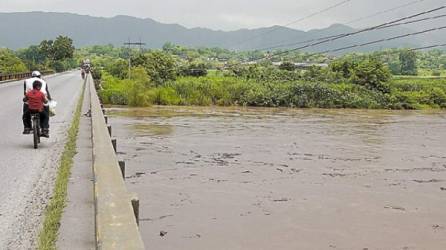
(231, 14)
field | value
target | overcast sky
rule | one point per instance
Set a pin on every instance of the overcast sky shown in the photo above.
(229, 14)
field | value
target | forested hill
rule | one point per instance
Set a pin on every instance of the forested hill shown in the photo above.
(20, 30)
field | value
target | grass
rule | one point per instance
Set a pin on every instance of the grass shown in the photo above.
(53, 213)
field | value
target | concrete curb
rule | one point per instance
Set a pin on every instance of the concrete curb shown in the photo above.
(77, 230)
(116, 226)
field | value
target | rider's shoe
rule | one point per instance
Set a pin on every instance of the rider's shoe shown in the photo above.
(27, 131)
(45, 133)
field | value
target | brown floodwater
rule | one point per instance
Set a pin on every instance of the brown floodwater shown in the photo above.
(248, 178)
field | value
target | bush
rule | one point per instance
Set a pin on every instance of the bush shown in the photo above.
(9, 63)
(96, 73)
(371, 74)
(137, 86)
(436, 73)
(118, 68)
(114, 90)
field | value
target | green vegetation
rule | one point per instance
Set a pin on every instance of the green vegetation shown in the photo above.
(176, 75)
(10, 63)
(418, 93)
(408, 61)
(49, 55)
(181, 76)
(53, 214)
(403, 94)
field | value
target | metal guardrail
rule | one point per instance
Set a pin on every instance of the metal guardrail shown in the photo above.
(19, 76)
(116, 223)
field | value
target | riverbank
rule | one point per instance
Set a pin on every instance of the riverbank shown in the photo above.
(402, 93)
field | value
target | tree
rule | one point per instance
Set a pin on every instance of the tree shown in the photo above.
(408, 61)
(60, 49)
(46, 49)
(139, 60)
(169, 47)
(32, 57)
(10, 63)
(344, 66)
(372, 74)
(161, 67)
(63, 48)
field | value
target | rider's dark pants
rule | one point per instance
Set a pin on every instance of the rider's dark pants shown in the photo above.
(26, 116)
(44, 117)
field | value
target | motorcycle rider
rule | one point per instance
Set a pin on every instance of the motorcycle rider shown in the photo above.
(28, 86)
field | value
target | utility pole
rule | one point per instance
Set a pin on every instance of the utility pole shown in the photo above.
(129, 44)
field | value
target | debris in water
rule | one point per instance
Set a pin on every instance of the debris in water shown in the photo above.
(428, 181)
(395, 208)
(281, 200)
(333, 175)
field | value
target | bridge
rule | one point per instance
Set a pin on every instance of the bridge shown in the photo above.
(100, 212)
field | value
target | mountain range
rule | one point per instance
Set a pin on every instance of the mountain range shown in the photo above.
(22, 29)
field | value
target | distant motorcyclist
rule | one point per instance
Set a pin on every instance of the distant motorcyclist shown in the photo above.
(44, 122)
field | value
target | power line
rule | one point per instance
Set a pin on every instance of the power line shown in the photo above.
(385, 11)
(369, 29)
(382, 40)
(430, 47)
(333, 38)
(341, 35)
(353, 21)
(318, 12)
(294, 22)
(415, 21)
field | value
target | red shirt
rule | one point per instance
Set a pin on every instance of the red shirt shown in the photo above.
(36, 99)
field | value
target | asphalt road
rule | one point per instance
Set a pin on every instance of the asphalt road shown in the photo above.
(26, 174)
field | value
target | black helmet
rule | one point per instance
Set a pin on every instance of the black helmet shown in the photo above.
(37, 85)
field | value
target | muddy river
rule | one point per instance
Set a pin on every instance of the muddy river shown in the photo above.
(246, 178)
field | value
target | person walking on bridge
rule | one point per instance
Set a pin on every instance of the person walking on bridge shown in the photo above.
(44, 122)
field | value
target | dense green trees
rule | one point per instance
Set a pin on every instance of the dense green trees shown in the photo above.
(368, 72)
(62, 48)
(32, 56)
(408, 61)
(57, 55)
(372, 74)
(161, 67)
(10, 63)
(343, 66)
(118, 68)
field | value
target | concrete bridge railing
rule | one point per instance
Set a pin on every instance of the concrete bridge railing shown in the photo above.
(116, 223)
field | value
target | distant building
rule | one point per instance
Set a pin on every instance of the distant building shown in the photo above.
(309, 65)
(304, 65)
